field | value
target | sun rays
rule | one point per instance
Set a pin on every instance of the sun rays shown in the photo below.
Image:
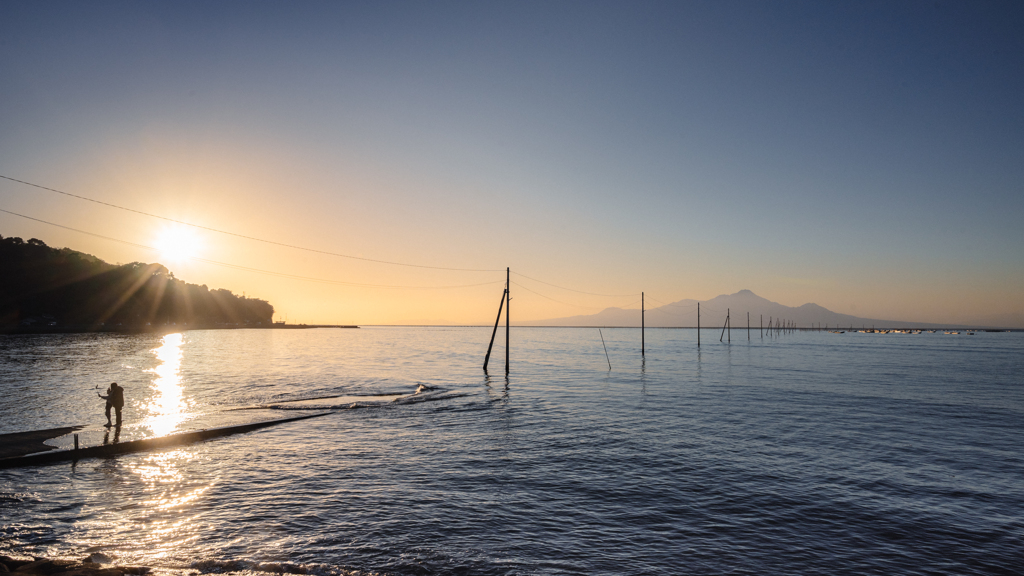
(177, 244)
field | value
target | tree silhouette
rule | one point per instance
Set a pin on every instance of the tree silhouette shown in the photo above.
(62, 289)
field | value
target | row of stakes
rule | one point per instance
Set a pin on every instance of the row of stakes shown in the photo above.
(774, 327)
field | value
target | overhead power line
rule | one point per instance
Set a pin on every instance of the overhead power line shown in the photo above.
(253, 238)
(663, 304)
(553, 300)
(568, 303)
(574, 290)
(287, 245)
(248, 269)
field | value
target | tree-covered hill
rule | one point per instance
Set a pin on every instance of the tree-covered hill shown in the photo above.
(61, 289)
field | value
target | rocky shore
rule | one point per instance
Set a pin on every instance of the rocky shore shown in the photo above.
(93, 565)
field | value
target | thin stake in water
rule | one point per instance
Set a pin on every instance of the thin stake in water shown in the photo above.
(487, 358)
(508, 311)
(605, 349)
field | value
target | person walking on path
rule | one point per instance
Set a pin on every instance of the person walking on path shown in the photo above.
(115, 399)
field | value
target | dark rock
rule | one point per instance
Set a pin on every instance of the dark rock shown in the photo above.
(46, 567)
(14, 563)
(98, 558)
(79, 571)
(38, 566)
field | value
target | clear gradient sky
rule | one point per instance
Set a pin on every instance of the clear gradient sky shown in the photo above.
(866, 156)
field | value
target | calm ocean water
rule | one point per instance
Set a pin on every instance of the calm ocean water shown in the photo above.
(813, 453)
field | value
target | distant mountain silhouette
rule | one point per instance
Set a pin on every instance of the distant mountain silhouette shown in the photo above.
(712, 313)
(50, 289)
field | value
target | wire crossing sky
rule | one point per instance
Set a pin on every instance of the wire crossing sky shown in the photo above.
(865, 156)
(243, 235)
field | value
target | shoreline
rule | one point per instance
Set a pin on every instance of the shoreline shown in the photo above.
(100, 564)
(25, 330)
(92, 565)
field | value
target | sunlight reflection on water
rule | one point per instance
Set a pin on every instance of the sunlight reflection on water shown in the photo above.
(169, 407)
(164, 520)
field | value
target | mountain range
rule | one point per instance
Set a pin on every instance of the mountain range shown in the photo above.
(713, 312)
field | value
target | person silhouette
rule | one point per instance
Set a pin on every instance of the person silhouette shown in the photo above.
(115, 400)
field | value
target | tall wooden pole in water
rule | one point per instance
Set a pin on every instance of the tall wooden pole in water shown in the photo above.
(762, 327)
(698, 324)
(508, 308)
(605, 349)
(748, 326)
(487, 358)
(642, 327)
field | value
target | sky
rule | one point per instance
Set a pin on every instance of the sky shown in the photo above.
(864, 156)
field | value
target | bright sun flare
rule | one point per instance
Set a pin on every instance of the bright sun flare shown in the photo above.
(177, 244)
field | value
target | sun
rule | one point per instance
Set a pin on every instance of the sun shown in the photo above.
(178, 244)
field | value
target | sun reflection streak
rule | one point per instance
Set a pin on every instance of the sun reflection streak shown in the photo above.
(166, 503)
(162, 467)
(168, 407)
(165, 520)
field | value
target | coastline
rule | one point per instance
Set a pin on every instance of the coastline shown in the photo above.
(19, 330)
(100, 564)
(93, 565)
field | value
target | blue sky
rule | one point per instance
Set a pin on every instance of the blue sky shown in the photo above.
(864, 156)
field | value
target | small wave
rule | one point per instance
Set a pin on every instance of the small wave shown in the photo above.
(248, 566)
(469, 407)
(417, 398)
(315, 407)
(223, 566)
(368, 394)
(346, 401)
(11, 498)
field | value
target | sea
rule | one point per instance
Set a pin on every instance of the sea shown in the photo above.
(598, 453)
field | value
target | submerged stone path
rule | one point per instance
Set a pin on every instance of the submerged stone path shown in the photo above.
(22, 443)
(26, 448)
